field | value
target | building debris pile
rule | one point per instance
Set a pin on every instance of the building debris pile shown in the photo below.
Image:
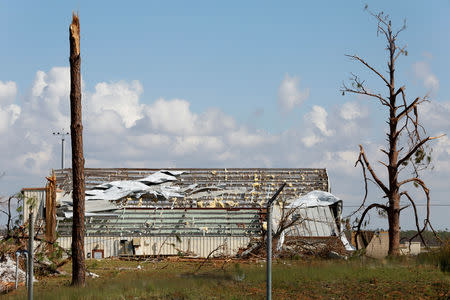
(316, 214)
(8, 274)
(48, 257)
(307, 225)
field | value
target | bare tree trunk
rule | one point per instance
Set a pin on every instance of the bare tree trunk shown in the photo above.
(8, 224)
(76, 129)
(394, 232)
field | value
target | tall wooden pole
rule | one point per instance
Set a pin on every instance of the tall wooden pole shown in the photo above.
(76, 131)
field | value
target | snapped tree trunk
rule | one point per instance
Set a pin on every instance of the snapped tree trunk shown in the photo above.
(76, 131)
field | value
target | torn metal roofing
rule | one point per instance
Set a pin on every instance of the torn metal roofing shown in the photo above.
(185, 202)
(194, 188)
(319, 214)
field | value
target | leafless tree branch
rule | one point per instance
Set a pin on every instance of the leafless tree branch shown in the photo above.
(357, 58)
(371, 206)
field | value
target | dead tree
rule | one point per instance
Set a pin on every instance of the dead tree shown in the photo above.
(407, 140)
(76, 130)
(11, 220)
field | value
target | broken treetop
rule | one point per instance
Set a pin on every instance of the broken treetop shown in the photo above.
(194, 188)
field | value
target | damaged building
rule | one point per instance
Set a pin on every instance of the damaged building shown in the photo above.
(188, 212)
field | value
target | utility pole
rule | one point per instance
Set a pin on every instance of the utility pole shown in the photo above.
(76, 131)
(269, 242)
(62, 134)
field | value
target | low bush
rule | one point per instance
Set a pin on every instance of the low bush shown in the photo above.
(438, 257)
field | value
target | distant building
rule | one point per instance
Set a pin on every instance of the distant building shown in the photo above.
(376, 244)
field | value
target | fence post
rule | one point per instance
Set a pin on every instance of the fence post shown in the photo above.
(30, 254)
(269, 254)
(269, 243)
(17, 268)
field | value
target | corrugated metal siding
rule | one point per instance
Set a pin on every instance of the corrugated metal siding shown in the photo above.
(37, 198)
(163, 245)
(315, 222)
(168, 222)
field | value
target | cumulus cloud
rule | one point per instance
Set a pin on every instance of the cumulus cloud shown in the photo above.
(8, 91)
(289, 93)
(172, 116)
(422, 71)
(9, 112)
(436, 121)
(353, 110)
(435, 115)
(121, 98)
(318, 117)
(8, 116)
(123, 130)
(311, 139)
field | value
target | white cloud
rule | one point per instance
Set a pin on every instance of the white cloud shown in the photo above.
(289, 93)
(311, 140)
(342, 161)
(352, 110)
(172, 116)
(243, 138)
(8, 91)
(8, 116)
(35, 162)
(122, 130)
(188, 145)
(422, 71)
(318, 116)
(435, 116)
(121, 98)
(49, 100)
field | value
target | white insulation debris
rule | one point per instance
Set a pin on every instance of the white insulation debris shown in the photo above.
(8, 273)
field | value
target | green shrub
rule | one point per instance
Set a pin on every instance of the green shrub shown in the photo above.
(439, 257)
(444, 258)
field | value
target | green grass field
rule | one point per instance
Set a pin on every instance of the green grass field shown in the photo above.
(316, 279)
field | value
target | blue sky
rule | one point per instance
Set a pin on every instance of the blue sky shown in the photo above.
(231, 56)
(226, 55)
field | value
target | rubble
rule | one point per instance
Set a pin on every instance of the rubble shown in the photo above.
(8, 274)
(92, 275)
